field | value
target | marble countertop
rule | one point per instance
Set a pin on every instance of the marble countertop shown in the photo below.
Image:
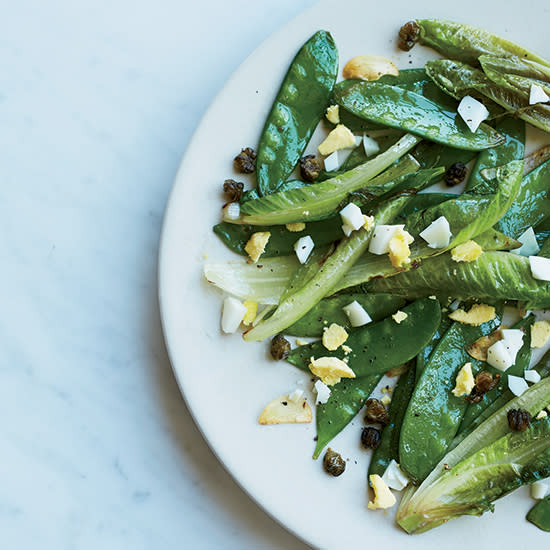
(98, 101)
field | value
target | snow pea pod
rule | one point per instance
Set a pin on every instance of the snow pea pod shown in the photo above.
(345, 401)
(414, 113)
(298, 107)
(434, 413)
(378, 347)
(522, 362)
(423, 357)
(539, 514)
(466, 43)
(430, 154)
(513, 148)
(281, 242)
(408, 79)
(389, 443)
(531, 205)
(330, 310)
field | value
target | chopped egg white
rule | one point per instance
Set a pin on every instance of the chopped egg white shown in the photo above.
(394, 477)
(531, 376)
(540, 268)
(370, 145)
(303, 247)
(232, 314)
(517, 385)
(323, 391)
(232, 211)
(333, 114)
(540, 488)
(438, 233)
(296, 395)
(537, 95)
(529, 245)
(356, 314)
(380, 241)
(333, 161)
(352, 217)
(498, 356)
(472, 111)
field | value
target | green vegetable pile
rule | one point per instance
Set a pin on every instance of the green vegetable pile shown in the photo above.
(459, 454)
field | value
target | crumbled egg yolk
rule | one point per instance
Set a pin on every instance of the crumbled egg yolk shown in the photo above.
(540, 333)
(465, 382)
(333, 114)
(300, 342)
(251, 312)
(369, 222)
(256, 244)
(339, 138)
(399, 316)
(386, 400)
(400, 252)
(466, 252)
(295, 227)
(346, 349)
(383, 497)
(334, 336)
(330, 370)
(478, 314)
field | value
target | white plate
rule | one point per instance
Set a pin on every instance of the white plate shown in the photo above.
(225, 381)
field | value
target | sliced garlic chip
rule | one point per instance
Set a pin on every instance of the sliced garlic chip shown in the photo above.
(369, 67)
(285, 411)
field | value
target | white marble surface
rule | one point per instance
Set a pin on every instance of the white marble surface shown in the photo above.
(98, 100)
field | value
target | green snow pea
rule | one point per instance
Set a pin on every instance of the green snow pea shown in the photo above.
(378, 347)
(414, 113)
(466, 43)
(513, 148)
(389, 443)
(298, 107)
(522, 363)
(281, 242)
(531, 205)
(434, 413)
(345, 401)
(408, 79)
(423, 201)
(329, 310)
(430, 154)
(494, 275)
(539, 514)
(423, 357)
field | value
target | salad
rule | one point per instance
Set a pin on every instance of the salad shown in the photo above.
(385, 271)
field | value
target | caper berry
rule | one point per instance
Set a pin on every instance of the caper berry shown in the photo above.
(334, 463)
